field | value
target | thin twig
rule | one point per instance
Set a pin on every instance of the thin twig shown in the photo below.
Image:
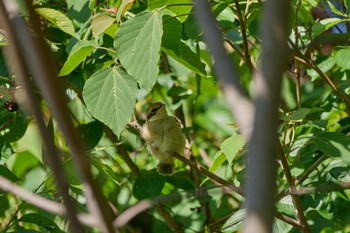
(173, 225)
(306, 174)
(296, 199)
(216, 179)
(287, 219)
(324, 188)
(122, 152)
(324, 76)
(244, 37)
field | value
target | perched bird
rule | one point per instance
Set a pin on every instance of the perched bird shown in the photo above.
(163, 137)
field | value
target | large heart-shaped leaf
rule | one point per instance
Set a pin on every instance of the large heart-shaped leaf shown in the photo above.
(138, 44)
(109, 95)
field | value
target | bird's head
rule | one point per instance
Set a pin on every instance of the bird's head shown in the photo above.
(156, 111)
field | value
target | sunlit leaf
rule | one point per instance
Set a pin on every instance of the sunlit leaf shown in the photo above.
(218, 159)
(335, 10)
(234, 223)
(299, 114)
(231, 146)
(324, 25)
(79, 52)
(100, 24)
(58, 19)
(137, 44)
(335, 145)
(325, 66)
(342, 58)
(110, 95)
(181, 8)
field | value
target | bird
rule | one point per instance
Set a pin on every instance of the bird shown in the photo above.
(163, 136)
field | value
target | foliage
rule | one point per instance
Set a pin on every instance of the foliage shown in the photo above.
(115, 57)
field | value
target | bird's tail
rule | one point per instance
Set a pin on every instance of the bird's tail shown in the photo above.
(165, 169)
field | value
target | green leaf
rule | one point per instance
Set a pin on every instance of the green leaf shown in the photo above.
(148, 185)
(5, 172)
(100, 24)
(335, 145)
(324, 25)
(342, 58)
(24, 161)
(234, 222)
(58, 19)
(110, 95)
(218, 159)
(178, 7)
(231, 146)
(104, 169)
(40, 220)
(14, 125)
(325, 66)
(138, 44)
(80, 12)
(78, 53)
(297, 115)
(71, 173)
(91, 133)
(175, 48)
(335, 10)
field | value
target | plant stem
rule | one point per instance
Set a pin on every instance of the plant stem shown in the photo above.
(296, 199)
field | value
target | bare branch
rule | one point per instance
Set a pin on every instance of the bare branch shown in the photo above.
(11, 21)
(38, 60)
(261, 160)
(324, 188)
(235, 95)
(42, 203)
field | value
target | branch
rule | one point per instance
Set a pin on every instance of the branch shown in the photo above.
(216, 179)
(123, 153)
(244, 37)
(325, 188)
(235, 95)
(38, 59)
(261, 161)
(296, 199)
(301, 57)
(42, 203)
(303, 176)
(16, 30)
(173, 225)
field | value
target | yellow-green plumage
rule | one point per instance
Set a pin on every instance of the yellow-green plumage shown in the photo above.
(163, 137)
